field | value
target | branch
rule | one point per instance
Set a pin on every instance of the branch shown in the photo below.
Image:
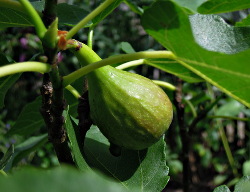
(35, 17)
(184, 132)
(29, 66)
(53, 103)
(88, 18)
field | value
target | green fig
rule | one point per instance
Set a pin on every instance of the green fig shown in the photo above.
(130, 110)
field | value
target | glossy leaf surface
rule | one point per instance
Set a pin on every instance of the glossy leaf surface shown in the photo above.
(170, 26)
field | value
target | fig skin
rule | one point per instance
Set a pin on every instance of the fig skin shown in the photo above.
(129, 109)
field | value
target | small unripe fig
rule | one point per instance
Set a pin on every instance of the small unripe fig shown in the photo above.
(129, 109)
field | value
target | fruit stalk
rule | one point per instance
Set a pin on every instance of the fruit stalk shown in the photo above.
(91, 61)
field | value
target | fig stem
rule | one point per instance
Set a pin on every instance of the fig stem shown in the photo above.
(30, 66)
(164, 84)
(35, 18)
(113, 60)
(143, 61)
(90, 37)
(88, 18)
(131, 64)
(73, 91)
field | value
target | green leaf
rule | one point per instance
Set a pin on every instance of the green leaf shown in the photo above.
(170, 25)
(24, 149)
(61, 179)
(7, 156)
(174, 68)
(127, 48)
(222, 188)
(214, 34)
(222, 6)
(29, 120)
(132, 168)
(230, 108)
(246, 168)
(106, 12)
(132, 5)
(75, 143)
(191, 5)
(38, 5)
(70, 14)
(13, 18)
(243, 185)
(244, 22)
(6, 82)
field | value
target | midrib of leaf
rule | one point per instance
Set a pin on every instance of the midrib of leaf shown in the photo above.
(202, 64)
(182, 61)
(224, 3)
(97, 159)
(34, 123)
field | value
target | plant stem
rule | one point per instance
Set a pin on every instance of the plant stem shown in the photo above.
(191, 106)
(165, 85)
(73, 91)
(90, 37)
(113, 60)
(50, 12)
(227, 149)
(3, 173)
(131, 64)
(29, 66)
(34, 16)
(52, 91)
(202, 114)
(88, 18)
(184, 132)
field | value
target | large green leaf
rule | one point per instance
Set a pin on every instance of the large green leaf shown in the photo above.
(61, 179)
(5, 82)
(214, 34)
(75, 143)
(222, 6)
(244, 22)
(29, 120)
(144, 169)
(191, 5)
(13, 18)
(222, 188)
(170, 25)
(174, 68)
(242, 186)
(22, 150)
(70, 14)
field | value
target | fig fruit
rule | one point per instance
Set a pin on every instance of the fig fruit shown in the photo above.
(130, 110)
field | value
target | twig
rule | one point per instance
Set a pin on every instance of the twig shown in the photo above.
(83, 114)
(184, 135)
(53, 103)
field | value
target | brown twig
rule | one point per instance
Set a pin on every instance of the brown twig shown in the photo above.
(53, 103)
(184, 135)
